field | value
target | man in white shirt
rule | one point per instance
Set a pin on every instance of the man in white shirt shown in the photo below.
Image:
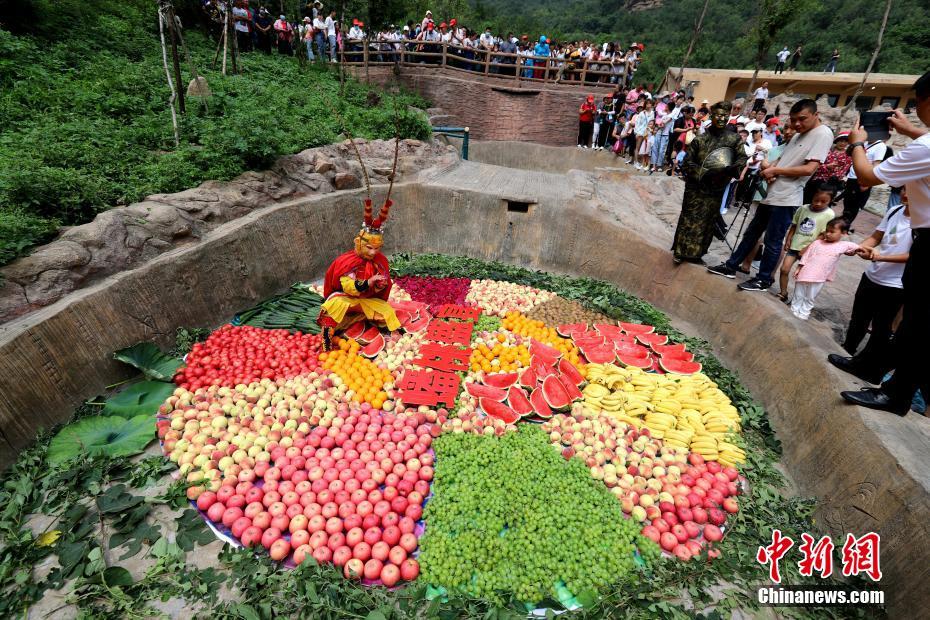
(760, 96)
(329, 26)
(786, 178)
(854, 195)
(757, 122)
(782, 57)
(909, 168)
(319, 35)
(770, 131)
(242, 22)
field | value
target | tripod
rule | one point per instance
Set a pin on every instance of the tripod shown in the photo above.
(740, 199)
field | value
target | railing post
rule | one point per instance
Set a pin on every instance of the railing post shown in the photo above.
(465, 144)
(403, 50)
(445, 46)
(545, 71)
(487, 61)
(365, 52)
(516, 69)
(584, 71)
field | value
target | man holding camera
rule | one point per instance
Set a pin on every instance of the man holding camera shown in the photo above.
(786, 178)
(910, 168)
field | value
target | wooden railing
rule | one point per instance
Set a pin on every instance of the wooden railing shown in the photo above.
(477, 61)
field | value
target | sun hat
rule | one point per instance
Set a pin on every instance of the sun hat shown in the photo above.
(843, 135)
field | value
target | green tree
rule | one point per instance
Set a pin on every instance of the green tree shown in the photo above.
(773, 16)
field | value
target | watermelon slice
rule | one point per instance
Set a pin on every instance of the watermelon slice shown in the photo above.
(684, 356)
(652, 339)
(540, 367)
(498, 410)
(599, 354)
(569, 371)
(631, 350)
(590, 341)
(679, 367)
(637, 328)
(416, 324)
(519, 401)
(656, 367)
(544, 351)
(540, 406)
(533, 418)
(370, 334)
(662, 349)
(639, 362)
(501, 380)
(355, 330)
(528, 378)
(375, 346)
(486, 392)
(555, 393)
(608, 329)
(570, 329)
(570, 388)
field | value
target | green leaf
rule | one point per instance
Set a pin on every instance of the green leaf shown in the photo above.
(140, 399)
(376, 614)
(103, 435)
(117, 576)
(246, 612)
(150, 360)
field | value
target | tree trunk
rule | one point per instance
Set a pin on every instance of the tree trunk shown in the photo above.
(698, 26)
(752, 82)
(865, 76)
(164, 57)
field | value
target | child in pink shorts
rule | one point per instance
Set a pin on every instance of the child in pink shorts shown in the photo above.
(818, 265)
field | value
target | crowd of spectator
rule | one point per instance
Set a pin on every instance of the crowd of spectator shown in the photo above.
(321, 35)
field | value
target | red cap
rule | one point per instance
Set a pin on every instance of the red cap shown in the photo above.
(524, 37)
(548, 40)
(442, 25)
(452, 22)
(355, 22)
(772, 121)
(429, 26)
(361, 24)
(590, 97)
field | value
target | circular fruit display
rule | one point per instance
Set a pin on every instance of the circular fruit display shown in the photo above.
(479, 448)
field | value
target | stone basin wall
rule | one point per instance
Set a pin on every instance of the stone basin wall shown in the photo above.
(868, 469)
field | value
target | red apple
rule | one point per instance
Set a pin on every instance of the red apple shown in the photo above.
(301, 553)
(668, 541)
(712, 533)
(342, 555)
(362, 551)
(730, 505)
(692, 528)
(699, 515)
(409, 570)
(670, 517)
(372, 569)
(380, 551)
(661, 525)
(323, 554)
(390, 575)
(716, 516)
(652, 533)
(680, 532)
(408, 542)
(682, 553)
(279, 550)
(397, 555)
(251, 536)
(270, 536)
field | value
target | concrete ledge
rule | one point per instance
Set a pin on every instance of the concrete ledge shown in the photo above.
(869, 470)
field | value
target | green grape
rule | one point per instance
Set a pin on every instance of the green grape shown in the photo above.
(510, 518)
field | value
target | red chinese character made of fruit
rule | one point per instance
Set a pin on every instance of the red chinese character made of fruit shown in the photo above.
(817, 556)
(448, 358)
(860, 555)
(449, 332)
(773, 553)
(424, 387)
(357, 283)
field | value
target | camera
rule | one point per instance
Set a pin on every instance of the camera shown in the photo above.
(876, 125)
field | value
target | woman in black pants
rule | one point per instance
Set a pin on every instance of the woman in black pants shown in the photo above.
(879, 296)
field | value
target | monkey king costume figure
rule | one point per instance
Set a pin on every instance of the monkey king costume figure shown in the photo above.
(358, 283)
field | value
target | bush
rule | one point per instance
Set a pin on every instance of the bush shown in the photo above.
(20, 231)
(87, 124)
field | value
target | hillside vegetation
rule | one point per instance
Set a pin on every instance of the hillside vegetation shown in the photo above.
(851, 25)
(87, 125)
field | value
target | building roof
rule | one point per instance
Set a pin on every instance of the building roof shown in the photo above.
(890, 79)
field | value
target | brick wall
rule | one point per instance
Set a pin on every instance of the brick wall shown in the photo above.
(495, 108)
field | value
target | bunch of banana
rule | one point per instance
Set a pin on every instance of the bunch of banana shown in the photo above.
(730, 454)
(658, 422)
(707, 446)
(678, 438)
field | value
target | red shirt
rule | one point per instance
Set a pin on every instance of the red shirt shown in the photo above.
(586, 114)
